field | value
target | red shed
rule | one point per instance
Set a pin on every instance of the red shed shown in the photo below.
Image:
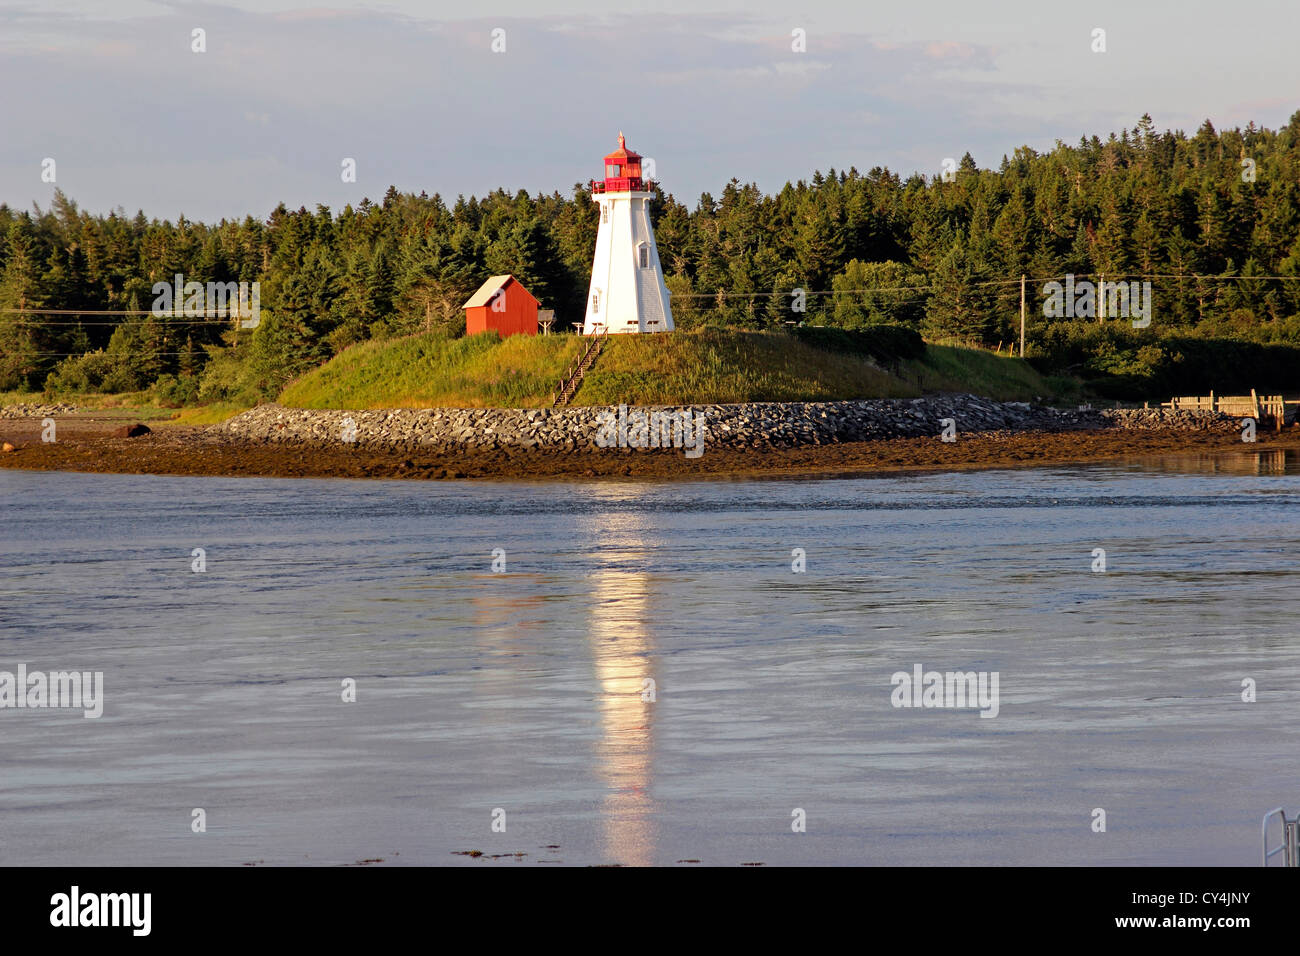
(501, 304)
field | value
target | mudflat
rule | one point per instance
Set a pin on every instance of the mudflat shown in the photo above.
(87, 445)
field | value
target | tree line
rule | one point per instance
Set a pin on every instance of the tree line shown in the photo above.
(1214, 217)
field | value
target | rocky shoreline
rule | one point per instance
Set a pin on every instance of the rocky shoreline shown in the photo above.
(750, 425)
(541, 446)
(37, 411)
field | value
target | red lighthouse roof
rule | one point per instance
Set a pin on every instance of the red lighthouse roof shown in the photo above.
(622, 154)
(622, 171)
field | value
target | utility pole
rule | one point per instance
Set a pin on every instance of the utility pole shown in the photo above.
(1022, 315)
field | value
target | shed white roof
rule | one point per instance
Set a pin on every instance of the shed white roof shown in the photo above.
(488, 289)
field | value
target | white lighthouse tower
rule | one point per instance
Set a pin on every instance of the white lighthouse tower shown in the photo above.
(627, 291)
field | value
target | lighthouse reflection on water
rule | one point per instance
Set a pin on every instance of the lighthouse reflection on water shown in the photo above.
(622, 652)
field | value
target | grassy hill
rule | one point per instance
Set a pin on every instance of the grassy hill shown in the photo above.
(952, 368)
(699, 366)
(432, 370)
(724, 366)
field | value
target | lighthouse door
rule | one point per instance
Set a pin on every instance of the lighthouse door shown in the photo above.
(647, 291)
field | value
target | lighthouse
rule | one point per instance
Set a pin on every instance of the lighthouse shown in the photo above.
(627, 291)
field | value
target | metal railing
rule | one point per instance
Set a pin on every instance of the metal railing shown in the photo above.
(568, 386)
(622, 184)
(1290, 845)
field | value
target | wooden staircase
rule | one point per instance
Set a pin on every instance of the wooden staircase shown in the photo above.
(568, 386)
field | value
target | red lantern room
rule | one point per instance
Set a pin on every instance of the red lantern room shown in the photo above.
(622, 172)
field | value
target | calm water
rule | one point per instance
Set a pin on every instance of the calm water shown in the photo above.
(524, 690)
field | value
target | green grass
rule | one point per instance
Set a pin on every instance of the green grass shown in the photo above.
(431, 370)
(88, 400)
(211, 414)
(726, 366)
(141, 405)
(695, 367)
(952, 368)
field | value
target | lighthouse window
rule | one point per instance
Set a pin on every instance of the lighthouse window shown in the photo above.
(595, 302)
(645, 256)
(604, 214)
(612, 170)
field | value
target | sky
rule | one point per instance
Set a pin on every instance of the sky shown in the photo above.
(415, 94)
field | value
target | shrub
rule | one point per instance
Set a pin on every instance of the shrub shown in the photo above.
(172, 392)
(886, 344)
(1118, 361)
(228, 377)
(97, 371)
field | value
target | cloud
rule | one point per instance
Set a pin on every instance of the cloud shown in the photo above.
(136, 119)
(949, 50)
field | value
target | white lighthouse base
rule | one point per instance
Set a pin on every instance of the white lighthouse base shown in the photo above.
(627, 292)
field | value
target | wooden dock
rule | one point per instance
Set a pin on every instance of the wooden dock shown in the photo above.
(1274, 409)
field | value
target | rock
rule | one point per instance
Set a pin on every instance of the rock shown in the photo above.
(7, 447)
(36, 411)
(756, 424)
(131, 431)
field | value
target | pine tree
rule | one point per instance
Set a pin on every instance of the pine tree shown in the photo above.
(819, 248)
(23, 341)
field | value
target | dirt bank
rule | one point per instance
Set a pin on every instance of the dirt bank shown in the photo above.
(88, 446)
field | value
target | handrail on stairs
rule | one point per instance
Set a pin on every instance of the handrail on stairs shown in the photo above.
(569, 384)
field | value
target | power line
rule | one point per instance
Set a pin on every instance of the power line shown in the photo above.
(82, 311)
(213, 318)
(807, 292)
(170, 323)
(169, 316)
(218, 316)
(134, 354)
(1108, 276)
